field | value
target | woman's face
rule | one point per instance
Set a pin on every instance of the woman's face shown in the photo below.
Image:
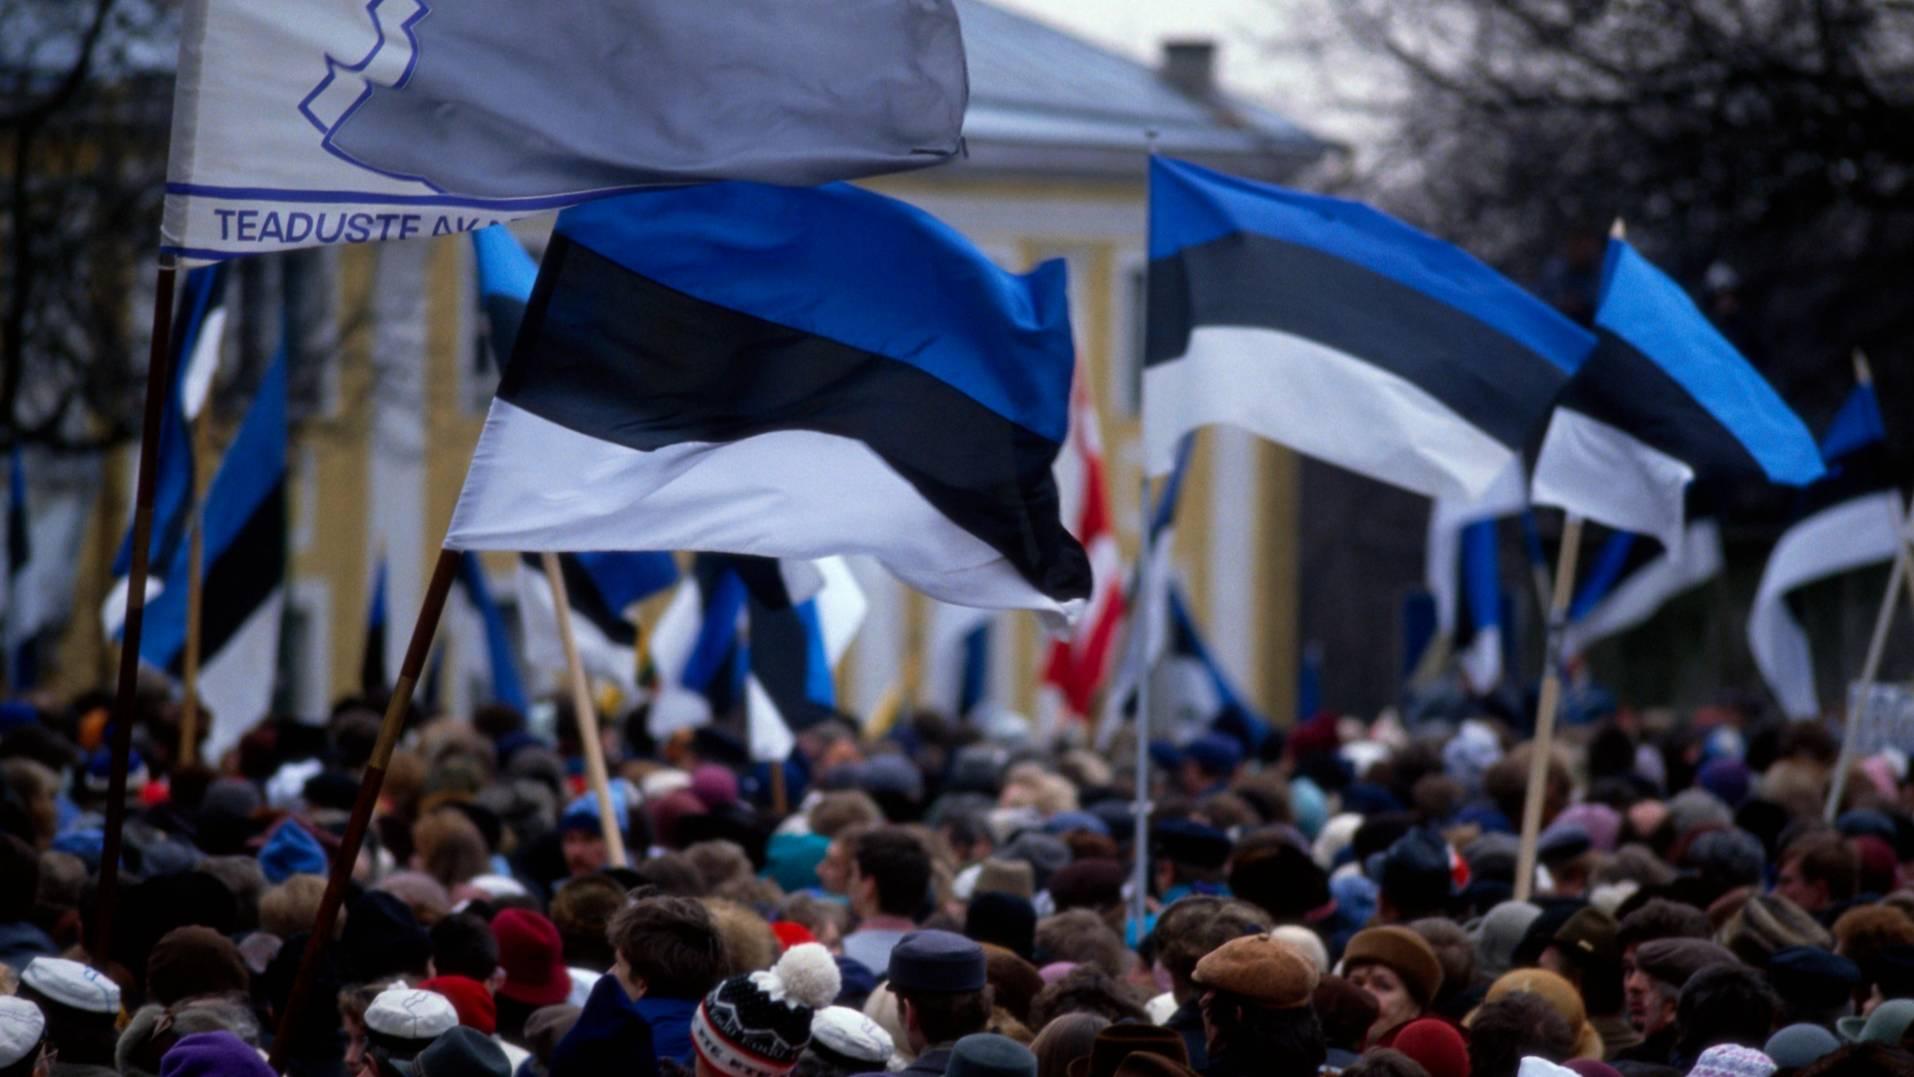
(1393, 1001)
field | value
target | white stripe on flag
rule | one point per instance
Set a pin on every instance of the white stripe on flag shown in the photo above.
(1841, 538)
(770, 738)
(792, 493)
(1600, 472)
(603, 658)
(237, 682)
(1696, 559)
(1318, 401)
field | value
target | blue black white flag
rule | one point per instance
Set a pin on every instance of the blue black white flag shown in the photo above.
(374, 679)
(1633, 576)
(1853, 518)
(199, 332)
(603, 588)
(794, 653)
(495, 655)
(793, 373)
(243, 578)
(1342, 333)
(1465, 581)
(297, 125)
(1664, 399)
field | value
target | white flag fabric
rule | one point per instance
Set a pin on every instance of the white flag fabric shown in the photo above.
(1696, 559)
(299, 124)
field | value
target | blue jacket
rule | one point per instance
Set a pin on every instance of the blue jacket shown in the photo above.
(617, 1035)
(21, 942)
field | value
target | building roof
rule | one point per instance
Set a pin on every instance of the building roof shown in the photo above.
(1041, 98)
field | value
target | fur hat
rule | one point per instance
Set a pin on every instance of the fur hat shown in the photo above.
(1258, 967)
(1766, 924)
(757, 1024)
(1115, 1043)
(1405, 953)
(1675, 961)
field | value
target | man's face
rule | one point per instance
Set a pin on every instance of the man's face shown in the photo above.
(1648, 1009)
(584, 853)
(1791, 884)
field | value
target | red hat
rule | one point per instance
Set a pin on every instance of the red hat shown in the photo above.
(790, 933)
(533, 958)
(473, 1002)
(1436, 1045)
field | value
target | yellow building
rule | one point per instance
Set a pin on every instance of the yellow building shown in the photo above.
(394, 397)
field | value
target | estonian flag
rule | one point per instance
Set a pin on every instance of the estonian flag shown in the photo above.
(1149, 630)
(695, 648)
(1853, 518)
(1342, 333)
(497, 656)
(1634, 576)
(788, 372)
(1663, 400)
(374, 681)
(1465, 581)
(198, 334)
(602, 588)
(244, 575)
(794, 652)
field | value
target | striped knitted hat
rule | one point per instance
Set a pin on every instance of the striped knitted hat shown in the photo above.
(756, 1025)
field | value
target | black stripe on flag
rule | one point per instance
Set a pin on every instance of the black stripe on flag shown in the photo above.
(503, 315)
(1620, 386)
(780, 658)
(1242, 279)
(242, 578)
(613, 355)
(585, 599)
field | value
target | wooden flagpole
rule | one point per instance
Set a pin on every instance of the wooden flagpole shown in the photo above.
(159, 375)
(587, 714)
(195, 599)
(347, 855)
(1551, 699)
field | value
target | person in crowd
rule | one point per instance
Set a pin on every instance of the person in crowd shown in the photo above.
(1818, 873)
(1257, 1013)
(888, 886)
(669, 956)
(1399, 970)
(81, 1006)
(759, 1024)
(400, 1023)
(943, 994)
(24, 1048)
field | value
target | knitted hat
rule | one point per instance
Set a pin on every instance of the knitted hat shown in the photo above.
(1436, 1045)
(850, 1041)
(1800, 1046)
(192, 961)
(1813, 977)
(986, 1054)
(1499, 932)
(1675, 961)
(22, 1028)
(791, 860)
(756, 1025)
(1767, 923)
(533, 958)
(1260, 968)
(1114, 1043)
(213, 1054)
(1404, 952)
(469, 999)
(1561, 996)
(1732, 1060)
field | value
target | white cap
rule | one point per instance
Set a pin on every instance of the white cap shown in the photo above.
(851, 1034)
(498, 886)
(22, 1027)
(407, 1013)
(73, 985)
(662, 783)
(1542, 1067)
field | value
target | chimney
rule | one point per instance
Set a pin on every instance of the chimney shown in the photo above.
(1190, 66)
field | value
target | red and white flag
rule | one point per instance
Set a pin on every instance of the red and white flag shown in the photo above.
(1079, 662)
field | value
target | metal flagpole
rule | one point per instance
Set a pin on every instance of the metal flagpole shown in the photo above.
(1546, 707)
(195, 600)
(587, 715)
(159, 375)
(347, 855)
(1140, 806)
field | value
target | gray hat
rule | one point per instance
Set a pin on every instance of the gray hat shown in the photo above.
(71, 984)
(1045, 853)
(986, 1054)
(1697, 807)
(22, 1027)
(1499, 932)
(937, 961)
(1799, 1046)
(459, 1052)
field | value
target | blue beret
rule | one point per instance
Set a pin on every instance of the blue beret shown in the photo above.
(937, 961)
(1812, 975)
(1865, 822)
(1067, 822)
(1215, 753)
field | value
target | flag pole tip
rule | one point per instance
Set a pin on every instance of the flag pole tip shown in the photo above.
(1863, 373)
(1618, 230)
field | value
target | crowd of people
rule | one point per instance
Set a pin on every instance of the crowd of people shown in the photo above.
(952, 899)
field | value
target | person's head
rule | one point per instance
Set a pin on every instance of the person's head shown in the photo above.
(402, 1021)
(1081, 937)
(463, 945)
(1514, 1027)
(291, 907)
(533, 960)
(758, 1024)
(81, 1006)
(582, 910)
(844, 1042)
(1398, 969)
(890, 873)
(666, 947)
(24, 1050)
(941, 981)
(1416, 880)
(1192, 927)
(191, 962)
(1345, 1011)
(1724, 1004)
(1455, 953)
(1384, 1062)
(1255, 1000)
(1065, 1040)
(1658, 918)
(582, 833)
(1583, 951)
(19, 879)
(1817, 872)
(448, 846)
(749, 942)
(1087, 989)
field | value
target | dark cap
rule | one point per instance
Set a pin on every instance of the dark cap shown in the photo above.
(1188, 842)
(1590, 936)
(461, 1052)
(986, 1054)
(937, 961)
(1676, 961)
(1813, 976)
(1563, 842)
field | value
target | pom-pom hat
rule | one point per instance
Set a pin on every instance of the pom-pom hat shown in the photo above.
(756, 1025)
